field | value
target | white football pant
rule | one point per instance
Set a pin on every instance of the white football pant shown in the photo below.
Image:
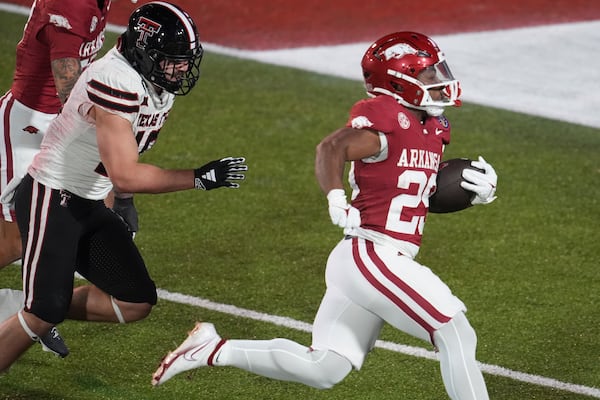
(368, 285)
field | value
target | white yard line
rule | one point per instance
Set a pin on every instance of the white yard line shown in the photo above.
(399, 348)
(549, 71)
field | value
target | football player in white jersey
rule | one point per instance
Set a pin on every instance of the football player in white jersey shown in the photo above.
(394, 141)
(60, 39)
(114, 113)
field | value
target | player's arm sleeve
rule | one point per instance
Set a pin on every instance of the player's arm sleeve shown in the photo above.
(365, 115)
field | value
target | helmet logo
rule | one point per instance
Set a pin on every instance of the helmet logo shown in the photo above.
(398, 51)
(147, 28)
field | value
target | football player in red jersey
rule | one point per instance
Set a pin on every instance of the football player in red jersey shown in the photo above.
(394, 141)
(114, 112)
(60, 39)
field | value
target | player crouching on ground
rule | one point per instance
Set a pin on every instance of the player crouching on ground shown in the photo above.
(114, 112)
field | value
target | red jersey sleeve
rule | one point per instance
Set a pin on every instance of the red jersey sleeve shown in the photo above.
(62, 43)
(81, 18)
(55, 29)
(373, 113)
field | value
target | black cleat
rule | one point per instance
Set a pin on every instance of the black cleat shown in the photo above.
(54, 343)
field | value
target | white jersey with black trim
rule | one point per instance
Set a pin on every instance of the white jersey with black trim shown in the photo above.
(69, 158)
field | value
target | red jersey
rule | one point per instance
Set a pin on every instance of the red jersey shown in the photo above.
(55, 29)
(391, 190)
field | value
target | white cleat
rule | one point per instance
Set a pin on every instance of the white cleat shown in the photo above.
(198, 350)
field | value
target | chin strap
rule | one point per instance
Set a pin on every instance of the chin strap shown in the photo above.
(434, 111)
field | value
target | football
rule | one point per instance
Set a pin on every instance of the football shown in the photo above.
(449, 195)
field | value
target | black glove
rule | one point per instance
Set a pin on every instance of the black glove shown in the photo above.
(219, 173)
(125, 209)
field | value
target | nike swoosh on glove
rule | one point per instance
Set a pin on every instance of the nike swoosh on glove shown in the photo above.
(483, 184)
(342, 214)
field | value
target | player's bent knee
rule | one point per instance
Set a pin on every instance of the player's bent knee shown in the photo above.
(332, 369)
(458, 333)
(52, 309)
(32, 325)
(130, 312)
(465, 329)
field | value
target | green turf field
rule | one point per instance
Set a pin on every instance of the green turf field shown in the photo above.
(526, 265)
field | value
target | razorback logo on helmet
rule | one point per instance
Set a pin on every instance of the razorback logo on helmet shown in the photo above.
(31, 129)
(147, 28)
(399, 50)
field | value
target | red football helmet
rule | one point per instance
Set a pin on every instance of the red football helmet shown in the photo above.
(392, 66)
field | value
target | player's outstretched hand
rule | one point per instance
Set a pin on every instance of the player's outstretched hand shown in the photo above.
(220, 173)
(483, 184)
(342, 214)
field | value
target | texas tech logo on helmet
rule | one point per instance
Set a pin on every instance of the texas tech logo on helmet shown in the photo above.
(147, 28)
(162, 44)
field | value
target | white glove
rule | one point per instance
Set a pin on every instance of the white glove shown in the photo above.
(483, 184)
(342, 214)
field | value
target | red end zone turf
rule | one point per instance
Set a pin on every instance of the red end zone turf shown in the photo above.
(268, 24)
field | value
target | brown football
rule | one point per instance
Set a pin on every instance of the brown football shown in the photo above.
(449, 196)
